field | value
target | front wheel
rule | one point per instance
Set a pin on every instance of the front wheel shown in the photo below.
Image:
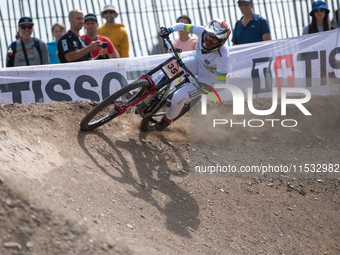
(148, 123)
(107, 109)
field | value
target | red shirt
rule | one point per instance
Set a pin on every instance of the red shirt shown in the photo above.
(110, 47)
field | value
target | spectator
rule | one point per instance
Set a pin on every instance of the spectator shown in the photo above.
(114, 31)
(57, 30)
(320, 20)
(91, 25)
(251, 27)
(27, 50)
(184, 42)
(71, 47)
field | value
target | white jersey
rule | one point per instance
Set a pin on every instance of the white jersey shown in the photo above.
(216, 61)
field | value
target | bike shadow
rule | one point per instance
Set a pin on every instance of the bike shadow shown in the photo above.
(153, 175)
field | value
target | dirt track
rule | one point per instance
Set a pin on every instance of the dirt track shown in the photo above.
(118, 190)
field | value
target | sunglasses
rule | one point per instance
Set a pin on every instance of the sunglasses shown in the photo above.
(317, 10)
(23, 27)
(243, 4)
(106, 12)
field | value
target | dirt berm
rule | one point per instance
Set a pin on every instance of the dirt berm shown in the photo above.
(118, 190)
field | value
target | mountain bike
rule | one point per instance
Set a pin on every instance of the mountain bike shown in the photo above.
(151, 99)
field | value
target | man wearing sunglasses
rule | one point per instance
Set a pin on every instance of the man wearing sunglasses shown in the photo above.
(108, 50)
(251, 27)
(114, 31)
(27, 50)
(71, 46)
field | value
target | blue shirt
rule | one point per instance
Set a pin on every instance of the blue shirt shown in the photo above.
(52, 50)
(252, 32)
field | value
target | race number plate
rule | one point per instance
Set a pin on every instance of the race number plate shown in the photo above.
(172, 69)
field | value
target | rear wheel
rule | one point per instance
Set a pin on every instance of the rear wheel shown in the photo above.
(148, 123)
(107, 109)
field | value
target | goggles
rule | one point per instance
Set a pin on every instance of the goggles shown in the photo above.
(210, 41)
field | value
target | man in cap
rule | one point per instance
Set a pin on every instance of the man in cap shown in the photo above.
(27, 50)
(114, 31)
(108, 49)
(73, 48)
(251, 27)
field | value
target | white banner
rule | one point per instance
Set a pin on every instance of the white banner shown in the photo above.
(311, 61)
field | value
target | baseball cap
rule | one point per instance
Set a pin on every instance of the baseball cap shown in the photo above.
(109, 7)
(90, 16)
(247, 1)
(25, 20)
(318, 4)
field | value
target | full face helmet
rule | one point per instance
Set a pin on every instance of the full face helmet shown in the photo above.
(215, 34)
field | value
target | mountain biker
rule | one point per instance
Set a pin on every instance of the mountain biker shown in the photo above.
(208, 62)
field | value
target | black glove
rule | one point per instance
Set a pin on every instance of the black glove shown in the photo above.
(165, 32)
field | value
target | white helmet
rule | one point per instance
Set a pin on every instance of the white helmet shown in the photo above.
(215, 34)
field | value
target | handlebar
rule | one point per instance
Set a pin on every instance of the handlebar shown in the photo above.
(170, 46)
